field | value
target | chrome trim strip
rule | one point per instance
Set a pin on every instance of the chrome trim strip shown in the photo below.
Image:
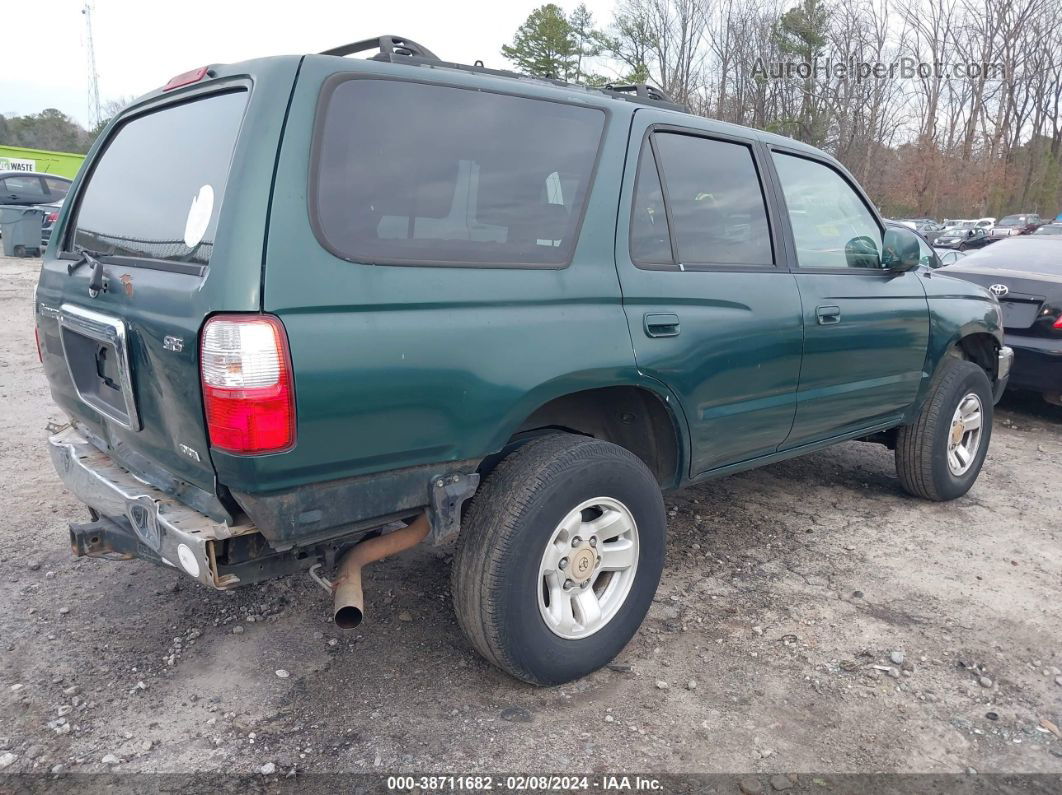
(1006, 359)
(111, 330)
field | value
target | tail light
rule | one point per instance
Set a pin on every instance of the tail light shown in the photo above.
(52, 217)
(1058, 321)
(248, 392)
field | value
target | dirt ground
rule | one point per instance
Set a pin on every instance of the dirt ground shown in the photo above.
(767, 650)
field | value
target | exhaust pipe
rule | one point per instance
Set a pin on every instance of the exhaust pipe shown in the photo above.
(348, 598)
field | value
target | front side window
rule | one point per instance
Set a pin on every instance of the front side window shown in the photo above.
(409, 173)
(155, 191)
(832, 227)
(718, 212)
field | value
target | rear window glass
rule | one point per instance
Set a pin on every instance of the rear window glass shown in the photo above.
(409, 173)
(156, 190)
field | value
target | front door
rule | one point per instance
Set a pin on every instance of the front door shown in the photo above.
(711, 312)
(866, 330)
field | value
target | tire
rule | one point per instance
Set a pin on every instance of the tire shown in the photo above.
(517, 520)
(924, 455)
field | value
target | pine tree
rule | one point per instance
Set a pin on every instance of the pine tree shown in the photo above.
(546, 45)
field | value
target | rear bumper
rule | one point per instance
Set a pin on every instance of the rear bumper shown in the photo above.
(1037, 364)
(133, 519)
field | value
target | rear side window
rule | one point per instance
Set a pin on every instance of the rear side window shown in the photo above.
(155, 191)
(718, 212)
(408, 173)
(57, 188)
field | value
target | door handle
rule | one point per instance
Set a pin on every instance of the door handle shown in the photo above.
(660, 325)
(828, 315)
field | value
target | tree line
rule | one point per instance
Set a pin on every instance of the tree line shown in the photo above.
(941, 108)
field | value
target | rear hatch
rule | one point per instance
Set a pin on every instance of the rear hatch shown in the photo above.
(164, 227)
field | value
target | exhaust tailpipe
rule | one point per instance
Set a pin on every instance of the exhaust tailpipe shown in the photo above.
(348, 598)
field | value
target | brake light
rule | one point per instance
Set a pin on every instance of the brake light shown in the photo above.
(248, 394)
(186, 78)
(52, 217)
(1058, 321)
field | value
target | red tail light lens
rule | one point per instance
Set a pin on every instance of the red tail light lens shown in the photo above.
(248, 393)
(53, 216)
(1058, 322)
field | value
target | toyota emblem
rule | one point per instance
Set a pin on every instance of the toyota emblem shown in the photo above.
(999, 290)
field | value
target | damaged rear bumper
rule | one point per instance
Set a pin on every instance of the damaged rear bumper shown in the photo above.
(133, 519)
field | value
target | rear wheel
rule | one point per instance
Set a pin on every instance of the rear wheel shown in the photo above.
(939, 456)
(559, 557)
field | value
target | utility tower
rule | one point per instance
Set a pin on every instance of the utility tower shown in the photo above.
(94, 113)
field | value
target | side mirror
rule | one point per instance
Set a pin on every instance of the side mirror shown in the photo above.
(900, 250)
(862, 252)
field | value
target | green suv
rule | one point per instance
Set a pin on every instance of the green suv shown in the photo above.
(305, 312)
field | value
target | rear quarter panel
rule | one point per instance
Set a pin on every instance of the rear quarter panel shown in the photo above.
(398, 366)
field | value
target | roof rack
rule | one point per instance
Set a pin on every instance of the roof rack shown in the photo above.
(388, 46)
(399, 49)
(640, 90)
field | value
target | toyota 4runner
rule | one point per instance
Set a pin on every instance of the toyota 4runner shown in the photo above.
(305, 312)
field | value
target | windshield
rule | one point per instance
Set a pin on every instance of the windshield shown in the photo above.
(1013, 220)
(155, 191)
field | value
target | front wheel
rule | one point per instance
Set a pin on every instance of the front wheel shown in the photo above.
(940, 454)
(559, 557)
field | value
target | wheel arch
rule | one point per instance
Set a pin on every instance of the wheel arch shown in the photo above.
(643, 417)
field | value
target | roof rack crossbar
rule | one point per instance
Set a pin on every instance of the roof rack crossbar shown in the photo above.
(387, 46)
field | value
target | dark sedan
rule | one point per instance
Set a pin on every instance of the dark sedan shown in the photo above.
(962, 238)
(1025, 274)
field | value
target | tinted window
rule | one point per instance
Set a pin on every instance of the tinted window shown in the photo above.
(156, 191)
(26, 188)
(57, 188)
(414, 173)
(1014, 220)
(650, 239)
(831, 225)
(717, 208)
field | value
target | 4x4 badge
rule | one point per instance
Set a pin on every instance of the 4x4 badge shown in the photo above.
(175, 344)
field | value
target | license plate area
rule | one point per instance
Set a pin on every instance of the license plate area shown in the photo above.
(1019, 314)
(96, 349)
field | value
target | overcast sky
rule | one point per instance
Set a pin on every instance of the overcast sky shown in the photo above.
(140, 44)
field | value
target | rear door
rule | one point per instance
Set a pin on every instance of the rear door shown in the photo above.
(866, 331)
(159, 208)
(711, 312)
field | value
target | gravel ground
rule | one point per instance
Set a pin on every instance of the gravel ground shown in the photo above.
(811, 618)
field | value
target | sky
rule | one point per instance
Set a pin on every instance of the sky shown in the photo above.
(140, 44)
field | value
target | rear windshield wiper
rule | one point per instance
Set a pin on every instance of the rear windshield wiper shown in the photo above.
(92, 259)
